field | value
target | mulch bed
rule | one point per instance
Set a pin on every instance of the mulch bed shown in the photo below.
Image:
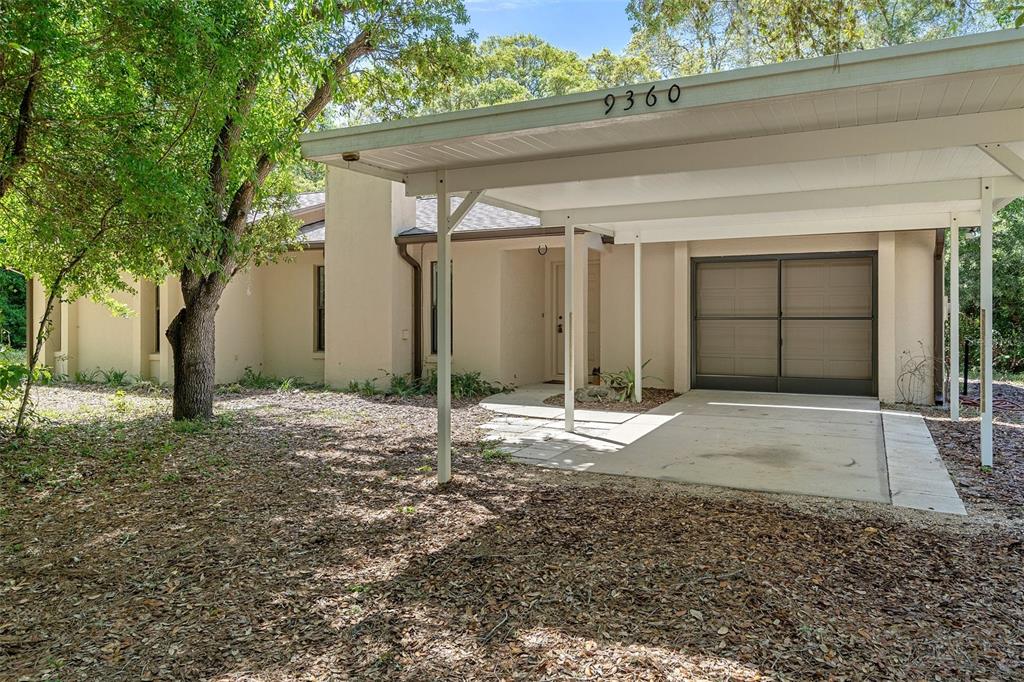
(304, 537)
(1001, 490)
(652, 398)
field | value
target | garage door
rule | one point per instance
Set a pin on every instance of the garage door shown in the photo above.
(793, 323)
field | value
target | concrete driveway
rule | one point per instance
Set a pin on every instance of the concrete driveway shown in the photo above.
(831, 446)
(814, 445)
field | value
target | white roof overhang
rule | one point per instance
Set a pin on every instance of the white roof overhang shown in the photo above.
(894, 138)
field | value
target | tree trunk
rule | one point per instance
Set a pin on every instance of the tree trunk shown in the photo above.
(191, 335)
(33, 361)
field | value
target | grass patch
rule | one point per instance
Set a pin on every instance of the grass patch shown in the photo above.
(491, 451)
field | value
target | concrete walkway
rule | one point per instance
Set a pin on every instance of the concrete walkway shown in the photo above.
(833, 446)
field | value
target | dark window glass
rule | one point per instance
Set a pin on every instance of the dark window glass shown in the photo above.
(156, 310)
(433, 309)
(320, 307)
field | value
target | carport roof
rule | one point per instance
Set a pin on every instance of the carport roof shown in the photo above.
(893, 138)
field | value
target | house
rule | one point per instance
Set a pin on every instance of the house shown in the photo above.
(777, 228)
(272, 319)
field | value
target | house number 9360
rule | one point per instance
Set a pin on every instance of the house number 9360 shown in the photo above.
(632, 98)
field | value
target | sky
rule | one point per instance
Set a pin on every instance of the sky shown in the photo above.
(584, 26)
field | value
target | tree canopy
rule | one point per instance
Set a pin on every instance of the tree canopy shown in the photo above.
(523, 66)
(697, 36)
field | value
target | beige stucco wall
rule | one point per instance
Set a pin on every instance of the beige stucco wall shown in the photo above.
(369, 286)
(100, 340)
(106, 341)
(503, 297)
(478, 311)
(239, 342)
(289, 317)
(658, 338)
(914, 305)
(503, 304)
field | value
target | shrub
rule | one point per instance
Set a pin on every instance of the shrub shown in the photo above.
(113, 377)
(623, 382)
(82, 377)
(464, 385)
(12, 382)
(257, 379)
(468, 385)
(366, 388)
(404, 386)
(12, 377)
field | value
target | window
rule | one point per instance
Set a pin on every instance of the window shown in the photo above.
(320, 297)
(433, 310)
(156, 317)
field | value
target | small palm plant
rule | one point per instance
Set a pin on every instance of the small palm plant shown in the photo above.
(623, 382)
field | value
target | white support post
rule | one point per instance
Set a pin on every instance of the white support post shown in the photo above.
(954, 317)
(444, 331)
(986, 322)
(638, 318)
(567, 336)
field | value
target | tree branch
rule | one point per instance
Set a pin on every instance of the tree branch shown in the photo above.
(226, 139)
(17, 154)
(235, 221)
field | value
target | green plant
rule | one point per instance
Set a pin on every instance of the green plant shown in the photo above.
(10, 354)
(145, 386)
(492, 452)
(13, 376)
(202, 425)
(119, 401)
(257, 379)
(83, 377)
(113, 377)
(468, 385)
(623, 382)
(403, 385)
(366, 388)
(464, 385)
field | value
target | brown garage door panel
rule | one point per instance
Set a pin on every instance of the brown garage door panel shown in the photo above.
(793, 323)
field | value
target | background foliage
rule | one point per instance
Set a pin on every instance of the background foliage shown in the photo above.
(1007, 290)
(12, 309)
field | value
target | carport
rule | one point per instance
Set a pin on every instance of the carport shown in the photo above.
(924, 136)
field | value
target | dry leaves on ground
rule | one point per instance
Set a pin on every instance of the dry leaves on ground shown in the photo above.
(652, 397)
(302, 536)
(1000, 491)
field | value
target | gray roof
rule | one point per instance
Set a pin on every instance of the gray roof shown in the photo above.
(313, 233)
(480, 217)
(307, 200)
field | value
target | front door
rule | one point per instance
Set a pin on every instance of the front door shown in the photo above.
(792, 323)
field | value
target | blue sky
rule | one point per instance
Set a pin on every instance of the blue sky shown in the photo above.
(584, 26)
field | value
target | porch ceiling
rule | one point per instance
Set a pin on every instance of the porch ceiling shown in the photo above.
(873, 140)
